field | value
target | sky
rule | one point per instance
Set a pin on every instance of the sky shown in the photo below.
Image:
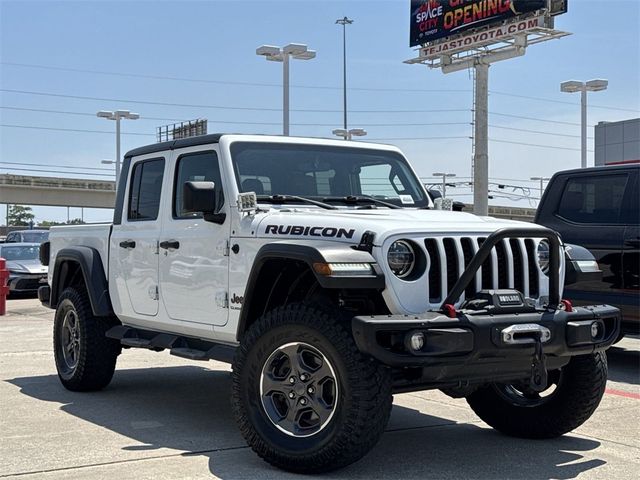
(179, 60)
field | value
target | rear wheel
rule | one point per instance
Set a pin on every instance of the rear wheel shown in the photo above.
(572, 395)
(85, 357)
(305, 399)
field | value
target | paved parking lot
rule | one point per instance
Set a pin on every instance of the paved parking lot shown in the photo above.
(164, 417)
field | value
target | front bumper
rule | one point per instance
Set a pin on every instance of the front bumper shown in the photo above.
(26, 282)
(473, 346)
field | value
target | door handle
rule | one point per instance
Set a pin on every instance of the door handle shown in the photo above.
(635, 242)
(170, 244)
(128, 244)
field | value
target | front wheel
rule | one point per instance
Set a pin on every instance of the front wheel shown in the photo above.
(305, 399)
(571, 397)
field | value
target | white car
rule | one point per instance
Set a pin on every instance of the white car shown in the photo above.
(322, 271)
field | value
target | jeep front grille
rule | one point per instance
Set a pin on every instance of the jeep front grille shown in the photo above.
(512, 264)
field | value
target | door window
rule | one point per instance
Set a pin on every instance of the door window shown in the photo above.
(145, 190)
(593, 199)
(196, 167)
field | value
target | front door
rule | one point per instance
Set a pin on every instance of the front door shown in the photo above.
(194, 261)
(134, 243)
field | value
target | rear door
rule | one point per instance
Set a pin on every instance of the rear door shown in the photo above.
(194, 261)
(631, 252)
(134, 243)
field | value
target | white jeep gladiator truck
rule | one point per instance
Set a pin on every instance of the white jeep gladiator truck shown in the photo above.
(321, 270)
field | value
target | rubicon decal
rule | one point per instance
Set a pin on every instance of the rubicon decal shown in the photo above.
(304, 231)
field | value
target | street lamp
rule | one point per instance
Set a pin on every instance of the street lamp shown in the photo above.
(277, 54)
(444, 181)
(574, 86)
(117, 116)
(348, 134)
(344, 22)
(542, 180)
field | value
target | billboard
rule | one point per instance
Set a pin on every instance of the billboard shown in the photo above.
(434, 19)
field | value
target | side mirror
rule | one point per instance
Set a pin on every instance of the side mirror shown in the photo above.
(200, 197)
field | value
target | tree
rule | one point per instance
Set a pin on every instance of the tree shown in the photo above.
(53, 223)
(20, 216)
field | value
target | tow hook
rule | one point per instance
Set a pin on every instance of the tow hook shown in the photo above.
(522, 334)
(538, 380)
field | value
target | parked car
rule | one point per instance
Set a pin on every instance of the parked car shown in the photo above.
(599, 209)
(27, 236)
(26, 272)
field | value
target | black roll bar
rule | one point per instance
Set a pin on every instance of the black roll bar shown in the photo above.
(492, 240)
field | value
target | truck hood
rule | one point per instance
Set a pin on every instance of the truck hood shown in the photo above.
(348, 225)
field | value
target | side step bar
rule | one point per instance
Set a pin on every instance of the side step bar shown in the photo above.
(184, 347)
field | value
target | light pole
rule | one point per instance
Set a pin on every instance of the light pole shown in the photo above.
(349, 134)
(344, 22)
(444, 181)
(542, 180)
(109, 162)
(277, 54)
(117, 116)
(574, 86)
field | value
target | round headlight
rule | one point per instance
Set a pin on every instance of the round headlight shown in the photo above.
(543, 256)
(401, 258)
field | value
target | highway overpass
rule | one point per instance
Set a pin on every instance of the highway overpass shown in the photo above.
(56, 191)
(73, 192)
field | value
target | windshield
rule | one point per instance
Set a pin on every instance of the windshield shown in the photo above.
(34, 237)
(322, 172)
(20, 252)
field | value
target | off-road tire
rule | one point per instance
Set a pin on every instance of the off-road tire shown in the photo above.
(362, 409)
(96, 354)
(577, 396)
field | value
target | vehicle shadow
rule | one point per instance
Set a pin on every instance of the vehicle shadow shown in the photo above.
(187, 408)
(627, 365)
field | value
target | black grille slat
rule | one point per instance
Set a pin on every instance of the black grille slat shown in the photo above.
(532, 259)
(467, 251)
(487, 270)
(435, 290)
(518, 266)
(452, 262)
(503, 265)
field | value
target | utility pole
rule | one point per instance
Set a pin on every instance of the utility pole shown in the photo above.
(481, 127)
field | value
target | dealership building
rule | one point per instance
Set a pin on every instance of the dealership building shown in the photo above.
(617, 143)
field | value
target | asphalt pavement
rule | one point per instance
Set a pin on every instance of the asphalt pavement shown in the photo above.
(165, 417)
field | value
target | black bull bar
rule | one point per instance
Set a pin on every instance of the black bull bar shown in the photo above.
(498, 236)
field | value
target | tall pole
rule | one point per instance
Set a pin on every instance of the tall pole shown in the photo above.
(117, 149)
(285, 94)
(444, 186)
(344, 71)
(583, 127)
(481, 158)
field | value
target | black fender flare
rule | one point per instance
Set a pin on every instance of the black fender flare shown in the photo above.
(324, 252)
(95, 279)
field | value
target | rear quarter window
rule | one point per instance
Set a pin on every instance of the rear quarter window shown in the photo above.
(595, 199)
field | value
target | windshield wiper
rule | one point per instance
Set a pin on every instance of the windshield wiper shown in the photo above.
(292, 199)
(354, 200)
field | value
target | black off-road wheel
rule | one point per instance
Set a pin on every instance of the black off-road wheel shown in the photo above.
(85, 357)
(305, 399)
(571, 397)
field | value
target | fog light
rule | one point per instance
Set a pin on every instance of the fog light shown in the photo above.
(416, 341)
(595, 329)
